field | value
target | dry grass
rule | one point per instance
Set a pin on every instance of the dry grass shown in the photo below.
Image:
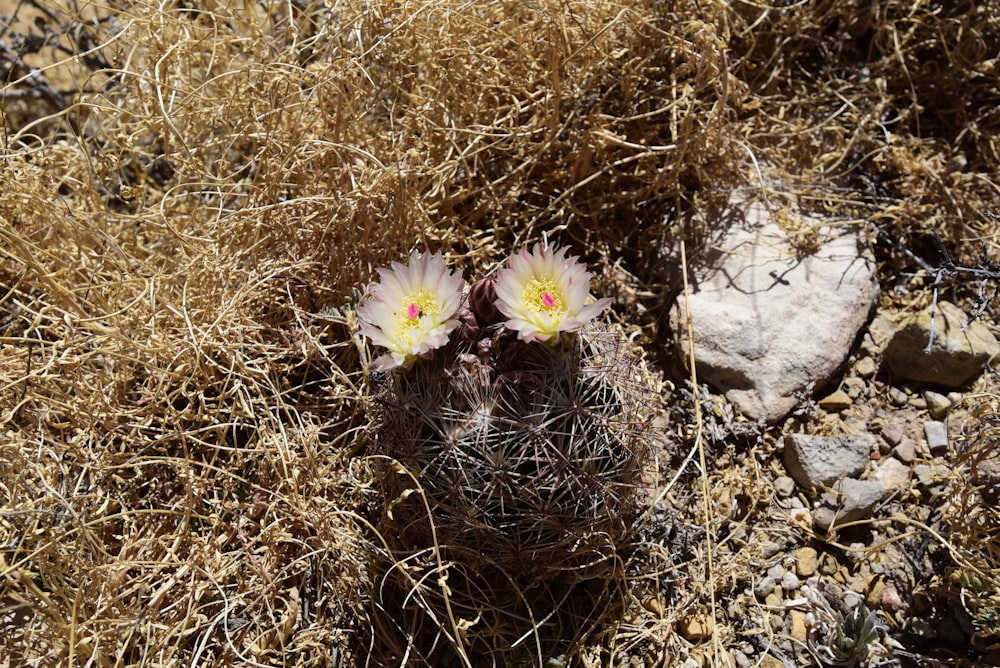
(192, 198)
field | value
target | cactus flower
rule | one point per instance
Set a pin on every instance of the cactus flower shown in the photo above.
(412, 310)
(544, 293)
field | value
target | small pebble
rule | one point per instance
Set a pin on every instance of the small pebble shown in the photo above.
(866, 367)
(856, 388)
(930, 475)
(852, 599)
(771, 661)
(897, 397)
(823, 518)
(918, 402)
(905, 451)
(869, 346)
(835, 402)
(776, 572)
(696, 628)
(764, 587)
(800, 630)
(893, 433)
(936, 434)
(938, 405)
(806, 562)
(956, 398)
(828, 564)
(892, 473)
(768, 548)
(740, 659)
(876, 587)
(799, 516)
(891, 600)
(790, 581)
(784, 486)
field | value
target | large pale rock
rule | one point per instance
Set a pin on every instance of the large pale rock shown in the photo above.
(956, 355)
(769, 321)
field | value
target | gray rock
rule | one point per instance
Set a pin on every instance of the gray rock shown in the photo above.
(893, 474)
(893, 433)
(986, 476)
(957, 354)
(764, 587)
(856, 388)
(931, 476)
(790, 581)
(769, 548)
(897, 397)
(852, 599)
(769, 320)
(823, 518)
(784, 486)
(905, 451)
(936, 434)
(819, 461)
(857, 500)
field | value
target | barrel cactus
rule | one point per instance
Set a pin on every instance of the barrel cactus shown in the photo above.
(524, 438)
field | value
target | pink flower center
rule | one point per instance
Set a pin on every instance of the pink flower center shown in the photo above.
(548, 301)
(413, 311)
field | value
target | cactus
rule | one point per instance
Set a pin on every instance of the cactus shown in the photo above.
(528, 454)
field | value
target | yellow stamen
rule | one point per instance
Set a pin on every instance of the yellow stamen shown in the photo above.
(417, 305)
(542, 293)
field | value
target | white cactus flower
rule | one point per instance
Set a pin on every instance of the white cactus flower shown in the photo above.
(543, 293)
(412, 310)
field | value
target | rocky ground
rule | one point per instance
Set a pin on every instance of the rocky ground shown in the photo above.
(865, 489)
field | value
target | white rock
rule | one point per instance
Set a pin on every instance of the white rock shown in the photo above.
(770, 321)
